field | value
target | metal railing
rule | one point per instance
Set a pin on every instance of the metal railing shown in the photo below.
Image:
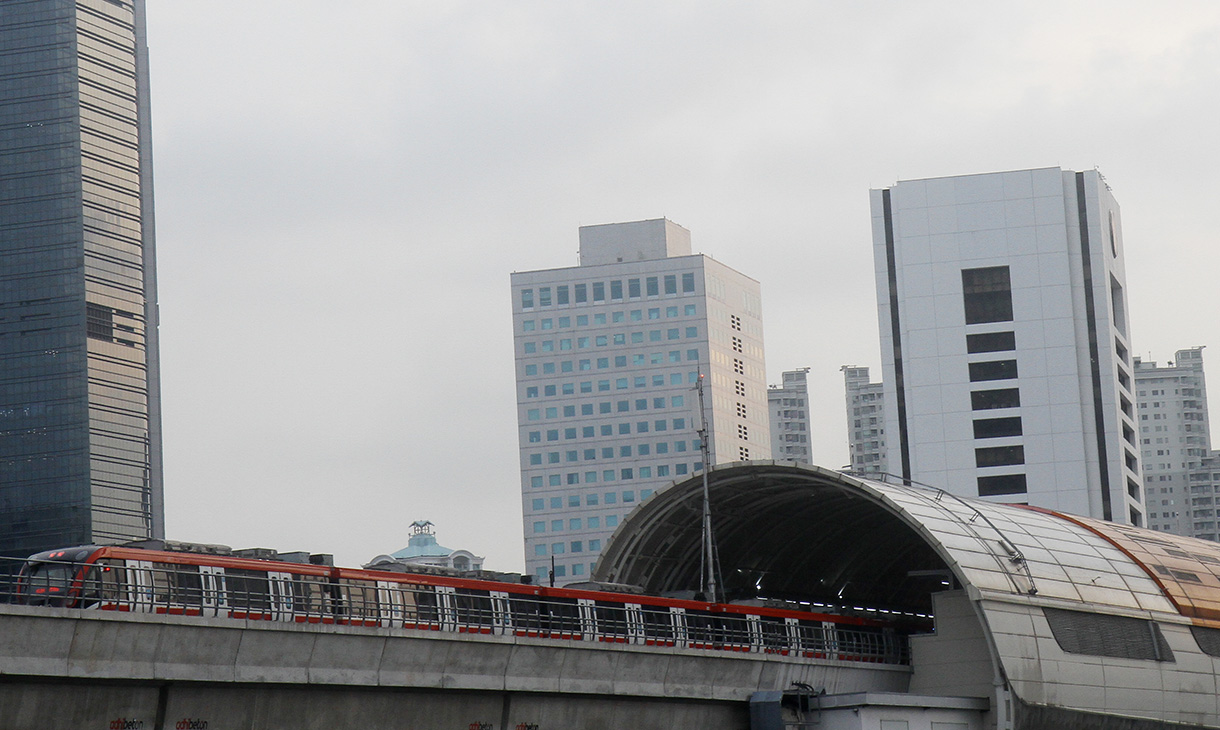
(270, 596)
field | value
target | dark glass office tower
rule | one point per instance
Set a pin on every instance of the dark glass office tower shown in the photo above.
(80, 436)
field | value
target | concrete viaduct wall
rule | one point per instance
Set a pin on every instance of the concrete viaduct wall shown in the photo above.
(66, 669)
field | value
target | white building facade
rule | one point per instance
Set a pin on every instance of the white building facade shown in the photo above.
(608, 354)
(1005, 342)
(1175, 439)
(790, 427)
(865, 422)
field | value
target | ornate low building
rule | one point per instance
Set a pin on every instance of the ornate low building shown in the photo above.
(422, 549)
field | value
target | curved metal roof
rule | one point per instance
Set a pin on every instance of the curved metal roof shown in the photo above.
(804, 532)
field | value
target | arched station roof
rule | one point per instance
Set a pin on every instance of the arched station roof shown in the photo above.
(802, 532)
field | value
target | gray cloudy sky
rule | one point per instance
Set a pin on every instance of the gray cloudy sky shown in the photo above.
(343, 189)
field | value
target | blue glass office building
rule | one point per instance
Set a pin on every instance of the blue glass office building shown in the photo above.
(80, 441)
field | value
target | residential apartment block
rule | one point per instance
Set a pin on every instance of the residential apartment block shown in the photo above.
(790, 426)
(1005, 344)
(1174, 437)
(1204, 497)
(608, 356)
(865, 422)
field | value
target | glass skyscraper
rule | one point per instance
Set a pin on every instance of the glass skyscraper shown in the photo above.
(80, 436)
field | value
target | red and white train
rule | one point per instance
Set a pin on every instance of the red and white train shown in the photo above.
(205, 581)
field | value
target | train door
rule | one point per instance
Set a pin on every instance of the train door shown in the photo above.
(501, 617)
(141, 582)
(792, 629)
(588, 618)
(678, 617)
(214, 597)
(279, 588)
(831, 639)
(447, 609)
(755, 629)
(635, 623)
(389, 598)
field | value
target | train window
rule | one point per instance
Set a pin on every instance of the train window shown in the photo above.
(658, 624)
(359, 599)
(714, 631)
(811, 637)
(774, 633)
(1099, 634)
(473, 607)
(611, 619)
(309, 594)
(248, 589)
(49, 583)
(547, 616)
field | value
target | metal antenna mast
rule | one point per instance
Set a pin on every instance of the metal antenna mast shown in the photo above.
(707, 575)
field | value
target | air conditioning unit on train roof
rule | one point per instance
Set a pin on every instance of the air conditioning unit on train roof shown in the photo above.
(178, 546)
(257, 553)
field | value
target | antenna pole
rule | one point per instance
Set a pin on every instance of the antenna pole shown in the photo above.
(707, 577)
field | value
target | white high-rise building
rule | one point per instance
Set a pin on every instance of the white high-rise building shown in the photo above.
(608, 354)
(1175, 438)
(790, 425)
(865, 422)
(1004, 337)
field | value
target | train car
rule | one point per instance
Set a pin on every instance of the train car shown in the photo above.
(182, 582)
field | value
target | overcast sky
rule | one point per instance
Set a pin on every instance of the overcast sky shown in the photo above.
(343, 188)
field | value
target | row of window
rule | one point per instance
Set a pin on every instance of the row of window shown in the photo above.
(583, 343)
(609, 475)
(591, 499)
(559, 548)
(608, 429)
(609, 452)
(586, 409)
(596, 291)
(561, 571)
(602, 319)
(603, 363)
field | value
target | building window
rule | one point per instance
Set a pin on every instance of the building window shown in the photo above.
(1001, 484)
(599, 293)
(616, 289)
(527, 298)
(993, 370)
(999, 456)
(982, 400)
(671, 284)
(688, 283)
(987, 294)
(990, 428)
(991, 342)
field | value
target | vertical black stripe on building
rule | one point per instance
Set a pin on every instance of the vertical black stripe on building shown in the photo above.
(891, 270)
(1099, 413)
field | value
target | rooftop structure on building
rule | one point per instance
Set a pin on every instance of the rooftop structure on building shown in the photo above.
(608, 354)
(80, 398)
(1175, 438)
(790, 424)
(1005, 343)
(423, 549)
(865, 422)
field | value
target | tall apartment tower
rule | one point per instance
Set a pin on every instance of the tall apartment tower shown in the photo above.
(1204, 496)
(608, 355)
(1004, 339)
(790, 425)
(865, 422)
(1174, 437)
(80, 436)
